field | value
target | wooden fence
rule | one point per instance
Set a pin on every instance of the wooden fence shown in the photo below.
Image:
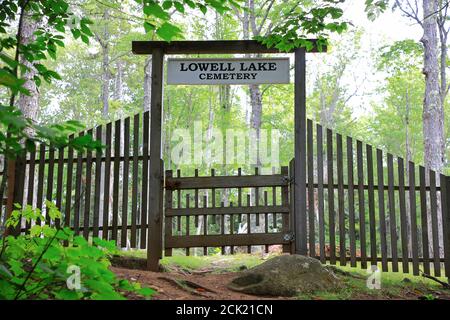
(367, 206)
(364, 206)
(227, 211)
(76, 182)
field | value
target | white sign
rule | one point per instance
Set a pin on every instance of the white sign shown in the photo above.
(228, 71)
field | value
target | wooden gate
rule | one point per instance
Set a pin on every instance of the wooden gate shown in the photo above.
(227, 212)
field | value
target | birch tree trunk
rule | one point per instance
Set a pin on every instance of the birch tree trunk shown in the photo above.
(433, 111)
(29, 104)
(147, 82)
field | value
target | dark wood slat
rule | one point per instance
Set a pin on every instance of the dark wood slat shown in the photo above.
(187, 223)
(351, 203)
(179, 204)
(361, 204)
(168, 220)
(87, 196)
(116, 180)
(106, 191)
(68, 206)
(226, 182)
(31, 172)
(403, 223)
(434, 224)
(285, 228)
(209, 47)
(424, 221)
(445, 185)
(331, 213)
(239, 196)
(134, 192)
(222, 226)
(257, 197)
(274, 203)
(413, 216)
(78, 192)
(205, 223)
(156, 175)
(97, 183)
(310, 165)
(249, 248)
(196, 199)
(381, 211)
(372, 222)
(341, 213)
(213, 196)
(59, 184)
(145, 190)
(392, 216)
(320, 194)
(125, 178)
(266, 220)
(50, 176)
(230, 239)
(301, 229)
(291, 202)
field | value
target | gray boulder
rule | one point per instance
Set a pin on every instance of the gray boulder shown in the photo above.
(286, 275)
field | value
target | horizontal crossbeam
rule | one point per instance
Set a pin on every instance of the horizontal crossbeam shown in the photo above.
(224, 211)
(192, 241)
(226, 182)
(209, 47)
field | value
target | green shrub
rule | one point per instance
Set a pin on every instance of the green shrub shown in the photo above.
(44, 263)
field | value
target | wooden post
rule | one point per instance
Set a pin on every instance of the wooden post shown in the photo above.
(16, 177)
(154, 242)
(445, 205)
(300, 153)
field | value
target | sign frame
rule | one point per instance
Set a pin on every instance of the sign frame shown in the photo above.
(243, 77)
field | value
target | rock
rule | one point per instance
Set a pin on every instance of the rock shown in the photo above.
(285, 275)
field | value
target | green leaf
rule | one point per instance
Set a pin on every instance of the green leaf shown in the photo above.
(149, 27)
(154, 9)
(146, 292)
(168, 31)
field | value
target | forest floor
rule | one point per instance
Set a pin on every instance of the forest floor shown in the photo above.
(198, 277)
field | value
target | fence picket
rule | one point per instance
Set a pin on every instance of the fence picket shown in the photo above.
(331, 223)
(107, 179)
(424, 221)
(392, 216)
(30, 195)
(403, 224)
(341, 214)
(413, 217)
(310, 165)
(125, 178)
(116, 179)
(351, 202)
(87, 197)
(50, 174)
(434, 224)
(361, 205)
(320, 194)
(135, 177)
(98, 177)
(372, 222)
(381, 211)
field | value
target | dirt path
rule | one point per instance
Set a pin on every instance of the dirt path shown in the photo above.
(175, 286)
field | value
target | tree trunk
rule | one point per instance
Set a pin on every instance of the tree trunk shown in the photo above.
(29, 104)
(147, 82)
(433, 111)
